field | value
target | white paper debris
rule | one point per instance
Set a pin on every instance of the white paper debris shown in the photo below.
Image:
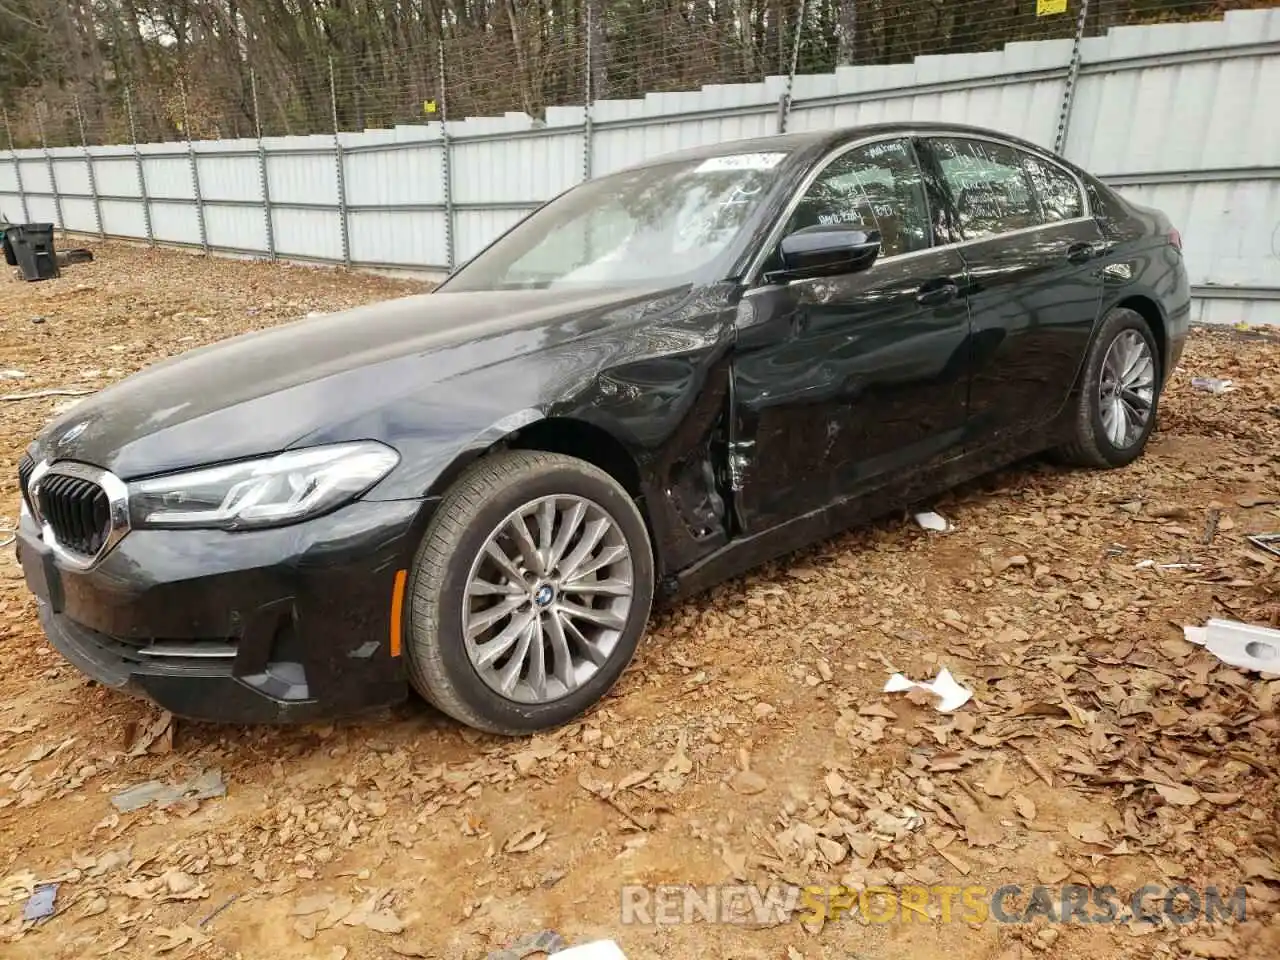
(1239, 644)
(599, 950)
(933, 521)
(1212, 384)
(951, 696)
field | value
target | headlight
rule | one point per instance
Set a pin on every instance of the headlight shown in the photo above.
(268, 492)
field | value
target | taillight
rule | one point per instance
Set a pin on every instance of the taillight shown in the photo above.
(1175, 238)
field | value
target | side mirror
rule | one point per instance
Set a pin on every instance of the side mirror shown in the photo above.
(826, 250)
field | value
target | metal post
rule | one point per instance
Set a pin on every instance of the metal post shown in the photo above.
(446, 170)
(342, 173)
(268, 220)
(1069, 89)
(195, 167)
(586, 109)
(88, 166)
(17, 170)
(784, 105)
(137, 163)
(53, 178)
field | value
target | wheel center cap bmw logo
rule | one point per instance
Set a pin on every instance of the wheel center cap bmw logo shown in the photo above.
(544, 595)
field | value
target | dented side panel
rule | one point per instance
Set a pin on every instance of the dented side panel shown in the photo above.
(845, 384)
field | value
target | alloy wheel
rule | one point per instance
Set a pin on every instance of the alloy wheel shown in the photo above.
(1126, 389)
(548, 597)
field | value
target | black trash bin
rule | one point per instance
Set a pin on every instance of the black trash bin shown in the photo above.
(33, 247)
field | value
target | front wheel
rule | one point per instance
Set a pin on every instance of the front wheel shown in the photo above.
(529, 593)
(1119, 394)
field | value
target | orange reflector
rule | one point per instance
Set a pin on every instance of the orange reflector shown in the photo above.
(397, 610)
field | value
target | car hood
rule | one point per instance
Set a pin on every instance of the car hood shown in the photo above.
(261, 392)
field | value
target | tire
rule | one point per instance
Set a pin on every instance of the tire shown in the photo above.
(446, 669)
(1091, 443)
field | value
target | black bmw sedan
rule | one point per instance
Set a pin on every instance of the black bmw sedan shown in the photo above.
(657, 380)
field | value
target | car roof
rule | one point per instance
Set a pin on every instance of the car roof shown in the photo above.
(822, 139)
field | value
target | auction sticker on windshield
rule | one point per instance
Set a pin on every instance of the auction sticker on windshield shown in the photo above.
(741, 161)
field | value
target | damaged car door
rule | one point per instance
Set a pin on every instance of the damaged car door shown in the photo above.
(851, 365)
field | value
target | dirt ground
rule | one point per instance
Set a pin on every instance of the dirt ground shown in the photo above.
(749, 742)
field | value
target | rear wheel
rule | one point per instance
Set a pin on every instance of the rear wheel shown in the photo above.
(1119, 394)
(529, 593)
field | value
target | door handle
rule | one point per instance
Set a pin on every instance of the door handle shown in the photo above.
(933, 293)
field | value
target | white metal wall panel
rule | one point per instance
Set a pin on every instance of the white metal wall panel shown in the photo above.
(302, 178)
(176, 223)
(79, 215)
(229, 177)
(477, 228)
(42, 210)
(308, 234)
(8, 175)
(1230, 229)
(406, 238)
(123, 218)
(411, 174)
(35, 173)
(116, 176)
(72, 174)
(235, 228)
(519, 170)
(168, 176)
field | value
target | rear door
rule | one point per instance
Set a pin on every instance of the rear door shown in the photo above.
(1033, 285)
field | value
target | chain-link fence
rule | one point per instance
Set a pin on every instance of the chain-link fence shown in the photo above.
(255, 72)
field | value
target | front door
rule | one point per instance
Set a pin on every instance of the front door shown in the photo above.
(1034, 286)
(841, 384)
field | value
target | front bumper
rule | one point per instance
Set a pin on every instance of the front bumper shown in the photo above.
(286, 625)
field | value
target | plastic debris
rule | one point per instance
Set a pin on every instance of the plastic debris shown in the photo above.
(531, 944)
(204, 787)
(1270, 542)
(951, 696)
(597, 950)
(934, 521)
(1239, 644)
(1212, 384)
(40, 904)
(1152, 565)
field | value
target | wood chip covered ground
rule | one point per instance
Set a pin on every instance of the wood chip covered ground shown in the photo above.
(750, 741)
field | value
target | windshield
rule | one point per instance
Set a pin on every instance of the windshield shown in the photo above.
(661, 223)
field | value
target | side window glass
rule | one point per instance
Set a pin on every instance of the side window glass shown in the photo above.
(1059, 195)
(991, 188)
(877, 186)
